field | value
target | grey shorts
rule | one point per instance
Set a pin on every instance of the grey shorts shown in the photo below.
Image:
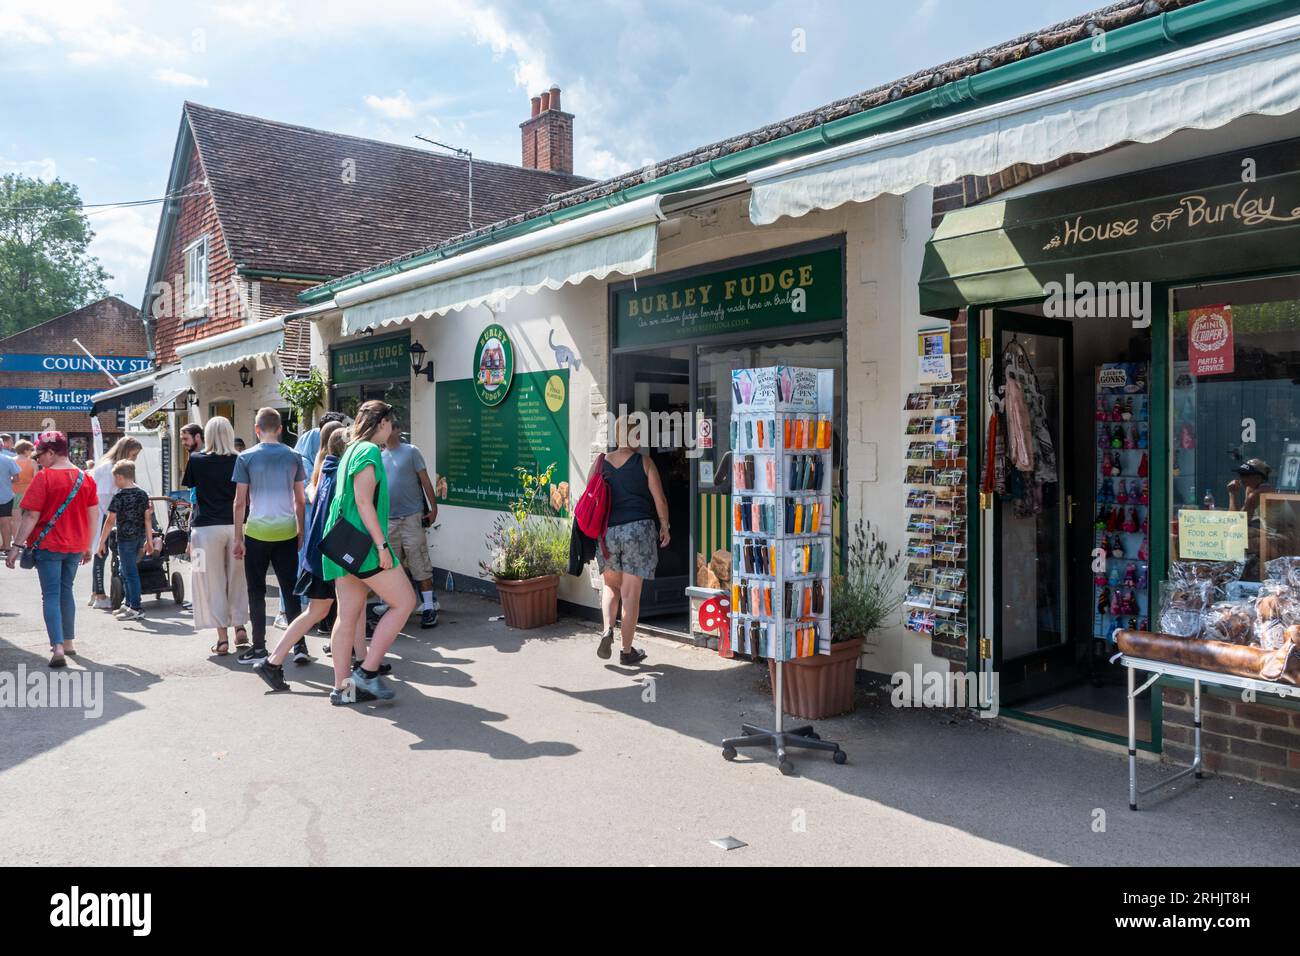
(633, 549)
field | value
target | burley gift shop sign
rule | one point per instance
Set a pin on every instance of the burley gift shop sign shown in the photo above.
(790, 291)
(78, 364)
(387, 360)
(45, 399)
(1209, 340)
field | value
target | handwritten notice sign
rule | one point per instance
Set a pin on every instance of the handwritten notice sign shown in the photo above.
(1211, 535)
(934, 349)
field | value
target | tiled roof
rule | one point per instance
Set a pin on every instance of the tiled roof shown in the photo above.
(304, 201)
(1030, 44)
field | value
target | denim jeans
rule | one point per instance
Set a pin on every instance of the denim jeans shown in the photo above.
(127, 552)
(56, 571)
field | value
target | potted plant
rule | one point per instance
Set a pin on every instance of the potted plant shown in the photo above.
(865, 595)
(529, 547)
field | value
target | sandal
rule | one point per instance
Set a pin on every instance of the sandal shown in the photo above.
(241, 637)
(217, 648)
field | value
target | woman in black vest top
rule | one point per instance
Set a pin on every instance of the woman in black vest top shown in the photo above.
(638, 527)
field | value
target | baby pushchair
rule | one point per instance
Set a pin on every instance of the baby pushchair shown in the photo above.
(156, 575)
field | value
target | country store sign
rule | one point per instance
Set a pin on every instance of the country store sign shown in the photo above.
(36, 362)
(781, 292)
(45, 399)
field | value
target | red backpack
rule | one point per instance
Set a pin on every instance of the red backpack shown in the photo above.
(592, 509)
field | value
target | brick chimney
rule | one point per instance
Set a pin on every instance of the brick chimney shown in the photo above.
(548, 134)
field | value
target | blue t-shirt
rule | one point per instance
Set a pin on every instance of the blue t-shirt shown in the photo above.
(270, 470)
(9, 470)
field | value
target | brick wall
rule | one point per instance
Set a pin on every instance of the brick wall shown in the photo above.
(548, 142)
(196, 217)
(1257, 741)
(108, 327)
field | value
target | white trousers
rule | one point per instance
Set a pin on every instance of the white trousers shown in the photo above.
(220, 591)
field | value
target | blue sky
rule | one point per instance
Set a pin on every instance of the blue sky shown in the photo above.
(91, 90)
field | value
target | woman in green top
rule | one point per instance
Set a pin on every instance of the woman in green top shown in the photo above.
(361, 498)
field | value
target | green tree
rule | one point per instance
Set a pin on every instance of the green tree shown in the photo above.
(45, 269)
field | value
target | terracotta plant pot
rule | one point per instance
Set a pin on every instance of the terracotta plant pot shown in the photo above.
(822, 685)
(532, 602)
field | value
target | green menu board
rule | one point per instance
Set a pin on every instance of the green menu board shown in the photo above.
(478, 447)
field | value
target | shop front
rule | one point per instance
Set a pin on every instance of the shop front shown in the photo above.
(1136, 427)
(376, 367)
(675, 340)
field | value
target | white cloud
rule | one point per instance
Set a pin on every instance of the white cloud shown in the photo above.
(172, 77)
(393, 107)
(123, 244)
(43, 168)
(257, 16)
(924, 13)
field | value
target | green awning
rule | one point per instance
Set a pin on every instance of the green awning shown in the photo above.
(1171, 224)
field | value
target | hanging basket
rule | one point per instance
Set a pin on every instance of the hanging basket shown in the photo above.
(532, 602)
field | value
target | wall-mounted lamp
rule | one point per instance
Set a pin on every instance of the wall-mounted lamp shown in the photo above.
(245, 377)
(418, 365)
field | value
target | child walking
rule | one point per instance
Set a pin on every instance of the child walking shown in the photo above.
(129, 512)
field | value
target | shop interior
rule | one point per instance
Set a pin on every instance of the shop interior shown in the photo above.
(1055, 599)
(1053, 609)
(694, 381)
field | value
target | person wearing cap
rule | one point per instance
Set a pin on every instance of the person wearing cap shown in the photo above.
(1254, 479)
(60, 511)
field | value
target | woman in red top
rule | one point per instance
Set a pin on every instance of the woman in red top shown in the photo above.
(61, 543)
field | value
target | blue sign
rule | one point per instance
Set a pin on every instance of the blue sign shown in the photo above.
(76, 364)
(46, 399)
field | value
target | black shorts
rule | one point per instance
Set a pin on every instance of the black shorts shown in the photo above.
(314, 588)
(7, 509)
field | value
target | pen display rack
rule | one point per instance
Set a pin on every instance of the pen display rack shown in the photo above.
(781, 439)
(781, 432)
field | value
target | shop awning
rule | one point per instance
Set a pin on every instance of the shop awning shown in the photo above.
(1168, 224)
(167, 402)
(235, 347)
(622, 240)
(1202, 87)
(124, 395)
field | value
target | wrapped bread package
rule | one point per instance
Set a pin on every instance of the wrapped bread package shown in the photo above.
(1281, 664)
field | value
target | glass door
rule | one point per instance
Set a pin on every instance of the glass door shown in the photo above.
(1035, 511)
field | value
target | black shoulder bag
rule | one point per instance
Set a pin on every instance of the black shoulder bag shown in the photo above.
(347, 545)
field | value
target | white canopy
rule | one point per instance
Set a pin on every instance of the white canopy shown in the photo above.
(623, 239)
(1201, 87)
(235, 347)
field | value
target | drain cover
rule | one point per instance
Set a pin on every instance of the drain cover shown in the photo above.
(728, 843)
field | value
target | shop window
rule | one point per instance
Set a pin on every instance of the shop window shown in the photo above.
(196, 279)
(1235, 411)
(348, 398)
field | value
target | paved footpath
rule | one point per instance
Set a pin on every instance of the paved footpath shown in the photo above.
(509, 747)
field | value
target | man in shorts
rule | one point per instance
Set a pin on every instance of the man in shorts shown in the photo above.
(409, 488)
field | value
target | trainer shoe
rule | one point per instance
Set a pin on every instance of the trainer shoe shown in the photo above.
(281, 621)
(428, 618)
(360, 696)
(254, 655)
(372, 685)
(102, 604)
(273, 674)
(634, 656)
(300, 655)
(130, 614)
(384, 669)
(605, 649)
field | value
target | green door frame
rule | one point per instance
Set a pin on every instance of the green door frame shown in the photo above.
(1159, 543)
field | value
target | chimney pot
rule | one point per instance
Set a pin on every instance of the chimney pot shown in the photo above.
(546, 100)
(537, 105)
(555, 97)
(548, 134)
